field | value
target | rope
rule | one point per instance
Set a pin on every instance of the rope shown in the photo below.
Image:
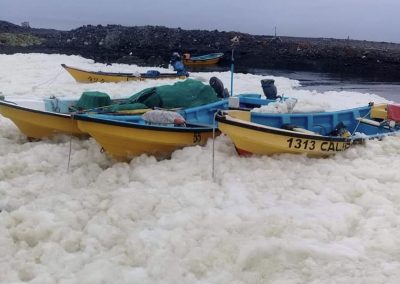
(359, 121)
(213, 148)
(51, 80)
(69, 154)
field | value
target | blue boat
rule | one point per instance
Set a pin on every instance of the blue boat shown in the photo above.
(206, 59)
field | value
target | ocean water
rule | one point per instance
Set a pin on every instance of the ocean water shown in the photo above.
(324, 82)
(278, 219)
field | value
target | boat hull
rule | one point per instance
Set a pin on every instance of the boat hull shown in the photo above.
(250, 138)
(83, 76)
(189, 62)
(39, 124)
(126, 142)
(203, 60)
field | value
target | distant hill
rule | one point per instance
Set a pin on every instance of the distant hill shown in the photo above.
(153, 45)
(7, 27)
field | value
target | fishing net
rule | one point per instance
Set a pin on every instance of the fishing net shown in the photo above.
(183, 94)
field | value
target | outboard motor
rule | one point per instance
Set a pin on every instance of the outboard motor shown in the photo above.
(218, 87)
(269, 89)
(177, 64)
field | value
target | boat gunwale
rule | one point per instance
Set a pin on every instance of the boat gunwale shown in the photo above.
(217, 55)
(149, 127)
(45, 112)
(129, 75)
(284, 132)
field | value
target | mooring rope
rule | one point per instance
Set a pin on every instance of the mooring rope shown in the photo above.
(213, 147)
(69, 154)
(49, 81)
(359, 121)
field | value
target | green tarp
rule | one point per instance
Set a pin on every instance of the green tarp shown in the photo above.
(91, 100)
(183, 94)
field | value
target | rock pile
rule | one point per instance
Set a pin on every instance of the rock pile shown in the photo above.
(153, 45)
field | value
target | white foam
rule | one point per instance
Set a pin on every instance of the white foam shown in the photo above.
(279, 219)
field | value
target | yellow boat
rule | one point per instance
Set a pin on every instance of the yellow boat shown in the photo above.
(126, 137)
(84, 76)
(44, 117)
(313, 134)
(33, 120)
(39, 118)
(207, 59)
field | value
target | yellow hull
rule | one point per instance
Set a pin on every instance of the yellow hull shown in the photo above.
(123, 142)
(251, 138)
(39, 124)
(83, 76)
(189, 62)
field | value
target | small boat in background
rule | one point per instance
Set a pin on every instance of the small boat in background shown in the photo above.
(207, 59)
(84, 76)
(314, 134)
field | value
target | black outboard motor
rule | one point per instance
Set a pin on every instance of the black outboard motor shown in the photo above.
(218, 87)
(269, 89)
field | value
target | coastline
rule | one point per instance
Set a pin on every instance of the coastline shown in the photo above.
(153, 46)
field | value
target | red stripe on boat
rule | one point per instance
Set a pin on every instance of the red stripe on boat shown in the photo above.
(242, 152)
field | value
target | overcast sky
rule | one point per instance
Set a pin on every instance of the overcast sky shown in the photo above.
(377, 20)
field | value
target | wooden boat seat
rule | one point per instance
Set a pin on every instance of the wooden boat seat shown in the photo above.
(387, 124)
(296, 128)
(133, 111)
(369, 121)
(205, 125)
(305, 131)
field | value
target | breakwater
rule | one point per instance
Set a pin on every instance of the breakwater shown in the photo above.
(153, 46)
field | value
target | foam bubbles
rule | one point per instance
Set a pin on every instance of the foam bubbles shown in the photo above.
(278, 219)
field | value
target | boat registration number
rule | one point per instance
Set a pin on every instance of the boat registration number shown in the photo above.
(312, 145)
(95, 80)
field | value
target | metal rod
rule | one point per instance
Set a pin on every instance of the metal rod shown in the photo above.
(69, 155)
(232, 69)
(213, 148)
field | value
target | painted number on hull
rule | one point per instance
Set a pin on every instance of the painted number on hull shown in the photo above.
(325, 146)
(196, 137)
(301, 144)
(94, 80)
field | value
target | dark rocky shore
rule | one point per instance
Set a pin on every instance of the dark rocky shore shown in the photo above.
(153, 46)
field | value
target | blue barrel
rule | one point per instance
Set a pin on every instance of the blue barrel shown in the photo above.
(269, 88)
(152, 73)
